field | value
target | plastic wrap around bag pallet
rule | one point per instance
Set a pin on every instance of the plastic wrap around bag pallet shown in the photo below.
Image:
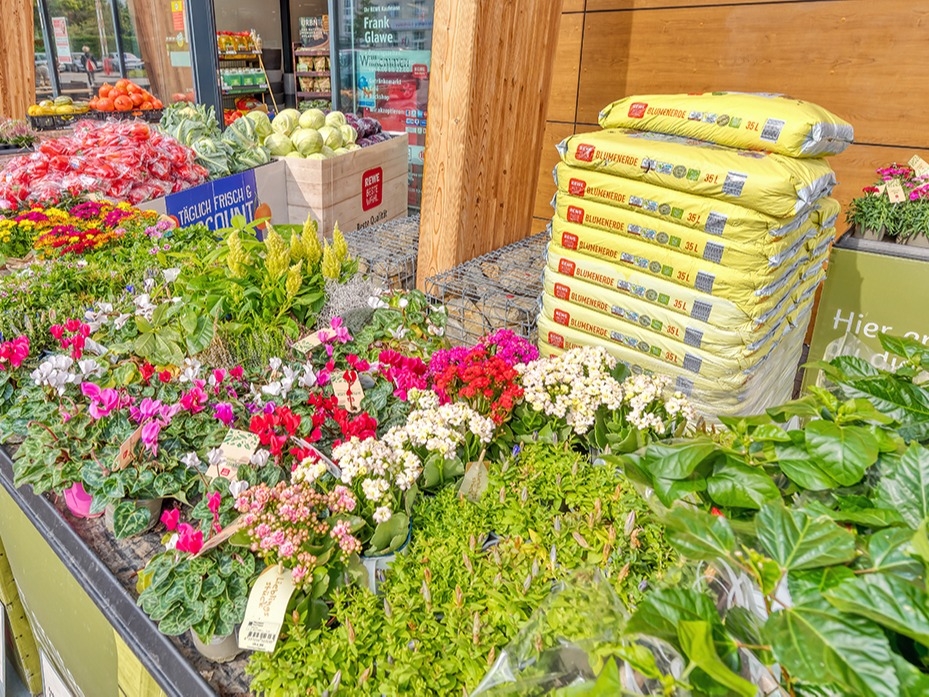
(708, 215)
(388, 251)
(772, 184)
(769, 122)
(743, 255)
(495, 291)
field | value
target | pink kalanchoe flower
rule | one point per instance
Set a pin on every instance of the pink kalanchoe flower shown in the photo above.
(188, 539)
(223, 412)
(170, 518)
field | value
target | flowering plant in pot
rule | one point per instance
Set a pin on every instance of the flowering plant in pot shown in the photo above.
(206, 593)
(874, 214)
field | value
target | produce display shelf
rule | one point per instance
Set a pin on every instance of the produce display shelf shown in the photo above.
(311, 52)
(238, 56)
(158, 653)
(314, 95)
(245, 89)
(313, 73)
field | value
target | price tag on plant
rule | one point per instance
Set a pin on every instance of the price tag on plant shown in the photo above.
(895, 191)
(126, 452)
(308, 343)
(475, 481)
(238, 446)
(919, 165)
(264, 613)
(348, 394)
(222, 536)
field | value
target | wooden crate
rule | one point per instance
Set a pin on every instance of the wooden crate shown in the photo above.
(361, 188)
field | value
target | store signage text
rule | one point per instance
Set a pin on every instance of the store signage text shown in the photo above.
(216, 203)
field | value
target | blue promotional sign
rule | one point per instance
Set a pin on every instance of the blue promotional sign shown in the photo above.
(215, 203)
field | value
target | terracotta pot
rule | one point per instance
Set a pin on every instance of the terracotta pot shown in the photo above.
(78, 501)
(221, 649)
(153, 506)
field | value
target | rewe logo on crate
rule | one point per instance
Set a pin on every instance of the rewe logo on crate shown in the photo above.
(577, 187)
(372, 188)
(575, 215)
(562, 292)
(568, 241)
(561, 317)
(556, 340)
(585, 153)
(637, 110)
(566, 267)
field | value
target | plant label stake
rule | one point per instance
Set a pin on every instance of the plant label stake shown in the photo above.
(919, 165)
(237, 449)
(222, 536)
(895, 191)
(126, 452)
(348, 393)
(308, 343)
(333, 468)
(264, 613)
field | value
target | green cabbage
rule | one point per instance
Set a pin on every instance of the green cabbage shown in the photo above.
(327, 152)
(335, 118)
(262, 123)
(279, 144)
(307, 141)
(312, 118)
(349, 134)
(332, 137)
(286, 122)
(316, 156)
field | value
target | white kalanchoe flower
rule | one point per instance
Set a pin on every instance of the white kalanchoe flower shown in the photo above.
(375, 489)
(382, 514)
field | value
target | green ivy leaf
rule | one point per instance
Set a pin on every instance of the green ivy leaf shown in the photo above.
(904, 485)
(817, 644)
(843, 452)
(796, 540)
(888, 600)
(736, 485)
(698, 535)
(696, 639)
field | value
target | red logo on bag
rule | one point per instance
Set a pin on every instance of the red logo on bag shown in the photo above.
(566, 267)
(372, 188)
(562, 292)
(561, 317)
(576, 187)
(575, 214)
(556, 340)
(585, 153)
(568, 241)
(637, 110)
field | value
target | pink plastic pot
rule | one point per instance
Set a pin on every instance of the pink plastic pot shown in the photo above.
(79, 501)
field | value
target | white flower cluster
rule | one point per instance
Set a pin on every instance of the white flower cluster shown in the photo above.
(56, 372)
(644, 394)
(573, 386)
(440, 429)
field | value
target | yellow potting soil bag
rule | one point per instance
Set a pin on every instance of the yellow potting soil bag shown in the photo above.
(827, 213)
(769, 122)
(710, 215)
(630, 280)
(743, 254)
(726, 342)
(744, 287)
(776, 185)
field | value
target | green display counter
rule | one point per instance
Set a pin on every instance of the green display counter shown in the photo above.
(871, 287)
(93, 639)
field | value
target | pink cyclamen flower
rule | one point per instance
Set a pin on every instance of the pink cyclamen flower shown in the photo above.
(150, 433)
(340, 331)
(223, 412)
(188, 539)
(147, 408)
(213, 502)
(194, 399)
(170, 518)
(238, 372)
(14, 352)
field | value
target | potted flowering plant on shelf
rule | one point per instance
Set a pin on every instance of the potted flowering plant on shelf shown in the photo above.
(896, 208)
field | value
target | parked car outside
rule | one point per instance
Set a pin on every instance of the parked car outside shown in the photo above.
(133, 62)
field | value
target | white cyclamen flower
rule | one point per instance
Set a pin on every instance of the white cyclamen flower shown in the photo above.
(171, 274)
(238, 487)
(215, 457)
(191, 370)
(259, 458)
(191, 460)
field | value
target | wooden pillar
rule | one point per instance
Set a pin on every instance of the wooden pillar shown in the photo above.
(154, 29)
(17, 59)
(492, 65)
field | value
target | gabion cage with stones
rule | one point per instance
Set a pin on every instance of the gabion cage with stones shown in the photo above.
(387, 252)
(499, 290)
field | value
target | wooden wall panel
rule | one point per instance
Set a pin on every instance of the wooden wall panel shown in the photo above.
(562, 104)
(606, 5)
(574, 5)
(554, 134)
(17, 67)
(862, 60)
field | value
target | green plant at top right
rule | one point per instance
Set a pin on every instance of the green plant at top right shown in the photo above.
(874, 211)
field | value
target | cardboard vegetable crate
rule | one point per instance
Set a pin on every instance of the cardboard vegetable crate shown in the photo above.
(363, 187)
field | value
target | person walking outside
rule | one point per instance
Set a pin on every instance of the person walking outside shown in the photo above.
(90, 66)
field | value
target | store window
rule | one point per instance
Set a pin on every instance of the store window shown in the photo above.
(84, 36)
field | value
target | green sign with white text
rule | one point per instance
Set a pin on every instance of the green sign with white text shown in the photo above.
(871, 288)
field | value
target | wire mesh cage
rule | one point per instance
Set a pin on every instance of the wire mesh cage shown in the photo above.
(388, 251)
(499, 290)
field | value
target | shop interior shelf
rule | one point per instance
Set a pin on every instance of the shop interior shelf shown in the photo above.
(238, 56)
(311, 52)
(247, 89)
(313, 73)
(314, 95)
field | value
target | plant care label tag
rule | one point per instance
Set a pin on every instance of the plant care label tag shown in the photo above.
(222, 536)
(475, 481)
(348, 394)
(919, 165)
(264, 613)
(308, 343)
(126, 452)
(895, 191)
(238, 446)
